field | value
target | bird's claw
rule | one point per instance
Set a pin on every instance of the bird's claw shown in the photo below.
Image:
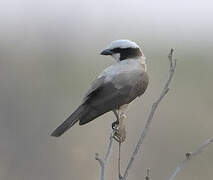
(116, 136)
(115, 125)
(119, 134)
(119, 130)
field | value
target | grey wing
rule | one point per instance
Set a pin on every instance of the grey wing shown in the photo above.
(84, 111)
(106, 96)
(95, 85)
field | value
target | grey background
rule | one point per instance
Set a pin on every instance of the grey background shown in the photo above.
(49, 54)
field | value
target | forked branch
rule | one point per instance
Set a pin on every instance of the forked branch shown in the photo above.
(189, 156)
(103, 162)
(151, 114)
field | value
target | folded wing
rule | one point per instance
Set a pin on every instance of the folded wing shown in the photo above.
(104, 96)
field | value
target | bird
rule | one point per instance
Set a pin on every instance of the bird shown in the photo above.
(115, 88)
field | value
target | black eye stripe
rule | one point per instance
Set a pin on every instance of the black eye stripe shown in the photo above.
(117, 50)
(126, 53)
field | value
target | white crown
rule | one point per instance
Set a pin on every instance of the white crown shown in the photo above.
(123, 43)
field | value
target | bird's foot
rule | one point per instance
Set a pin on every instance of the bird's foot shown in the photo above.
(115, 125)
(119, 129)
(119, 134)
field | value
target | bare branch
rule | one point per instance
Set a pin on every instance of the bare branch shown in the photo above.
(189, 156)
(150, 117)
(119, 162)
(147, 177)
(103, 163)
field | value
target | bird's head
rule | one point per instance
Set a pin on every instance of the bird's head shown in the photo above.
(123, 49)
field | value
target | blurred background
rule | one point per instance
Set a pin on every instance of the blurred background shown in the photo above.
(49, 54)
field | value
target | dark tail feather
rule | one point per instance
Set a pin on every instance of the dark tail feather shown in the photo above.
(68, 123)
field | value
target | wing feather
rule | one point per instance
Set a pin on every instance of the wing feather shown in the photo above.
(106, 96)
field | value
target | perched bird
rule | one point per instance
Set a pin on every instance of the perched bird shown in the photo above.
(114, 88)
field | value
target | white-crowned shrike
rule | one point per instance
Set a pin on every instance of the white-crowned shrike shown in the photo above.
(115, 87)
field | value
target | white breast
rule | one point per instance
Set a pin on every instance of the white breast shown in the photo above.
(120, 67)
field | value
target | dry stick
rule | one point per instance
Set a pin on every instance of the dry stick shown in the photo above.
(119, 161)
(188, 156)
(147, 177)
(150, 117)
(104, 162)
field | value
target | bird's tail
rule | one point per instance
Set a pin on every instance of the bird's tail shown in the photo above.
(69, 122)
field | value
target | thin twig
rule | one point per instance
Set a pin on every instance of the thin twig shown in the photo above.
(103, 163)
(119, 161)
(150, 117)
(189, 156)
(147, 177)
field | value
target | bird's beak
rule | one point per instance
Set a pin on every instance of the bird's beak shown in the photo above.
(106, 52)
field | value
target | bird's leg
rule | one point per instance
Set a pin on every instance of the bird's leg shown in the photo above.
(118, 127)
(116, 123)
(119, 135)
(115, 126)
